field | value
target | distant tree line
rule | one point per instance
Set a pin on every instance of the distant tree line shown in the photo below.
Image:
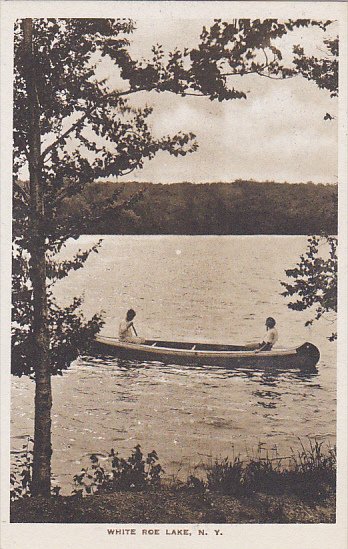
(241, 207)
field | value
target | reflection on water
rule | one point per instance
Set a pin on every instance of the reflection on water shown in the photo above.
(271, 377)
(188, 414)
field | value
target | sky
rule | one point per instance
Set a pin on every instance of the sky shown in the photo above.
(278, 133)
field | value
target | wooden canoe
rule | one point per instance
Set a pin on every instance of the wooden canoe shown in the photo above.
(305, 356)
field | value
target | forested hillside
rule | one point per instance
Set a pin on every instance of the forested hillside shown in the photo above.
(241, 207)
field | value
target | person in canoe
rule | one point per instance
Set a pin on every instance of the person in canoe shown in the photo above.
(269, 339)
(127, 331)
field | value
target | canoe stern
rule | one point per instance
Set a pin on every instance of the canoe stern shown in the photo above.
(308, 354)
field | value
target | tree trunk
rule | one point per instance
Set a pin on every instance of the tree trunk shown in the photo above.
(41, 481)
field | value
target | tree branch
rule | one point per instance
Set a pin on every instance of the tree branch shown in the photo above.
(265, 54)
(128, 172)
(82, 118)
(195, 94)
(259, 74)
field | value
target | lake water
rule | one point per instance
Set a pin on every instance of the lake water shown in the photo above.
(215, 288)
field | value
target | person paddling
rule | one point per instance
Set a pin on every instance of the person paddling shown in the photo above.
(127, 329)
(270, 337)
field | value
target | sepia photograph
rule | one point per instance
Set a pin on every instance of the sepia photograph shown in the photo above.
(176, 358)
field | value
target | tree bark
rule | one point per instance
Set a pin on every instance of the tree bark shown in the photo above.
(41, 480)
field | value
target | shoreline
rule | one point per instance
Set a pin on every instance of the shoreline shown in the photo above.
(133, 490)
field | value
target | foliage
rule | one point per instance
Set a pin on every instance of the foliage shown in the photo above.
(240, 207)
(311, 474)
(315, 459)
(313, 471)
(227, 475)
(134, 473)
(196, 484)
(315, 279)
(323, 71)
(68, 86)
(21, 474)
(226, 49)
(20, 477)
(70, 334)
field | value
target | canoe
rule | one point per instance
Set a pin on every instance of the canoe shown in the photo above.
(304, 357)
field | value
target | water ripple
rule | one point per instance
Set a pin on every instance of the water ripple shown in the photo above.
(231, 284)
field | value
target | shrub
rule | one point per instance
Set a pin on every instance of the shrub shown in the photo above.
(134, 473)
(21, 475)
(263, 475)
(227, 477)
(195, 484)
